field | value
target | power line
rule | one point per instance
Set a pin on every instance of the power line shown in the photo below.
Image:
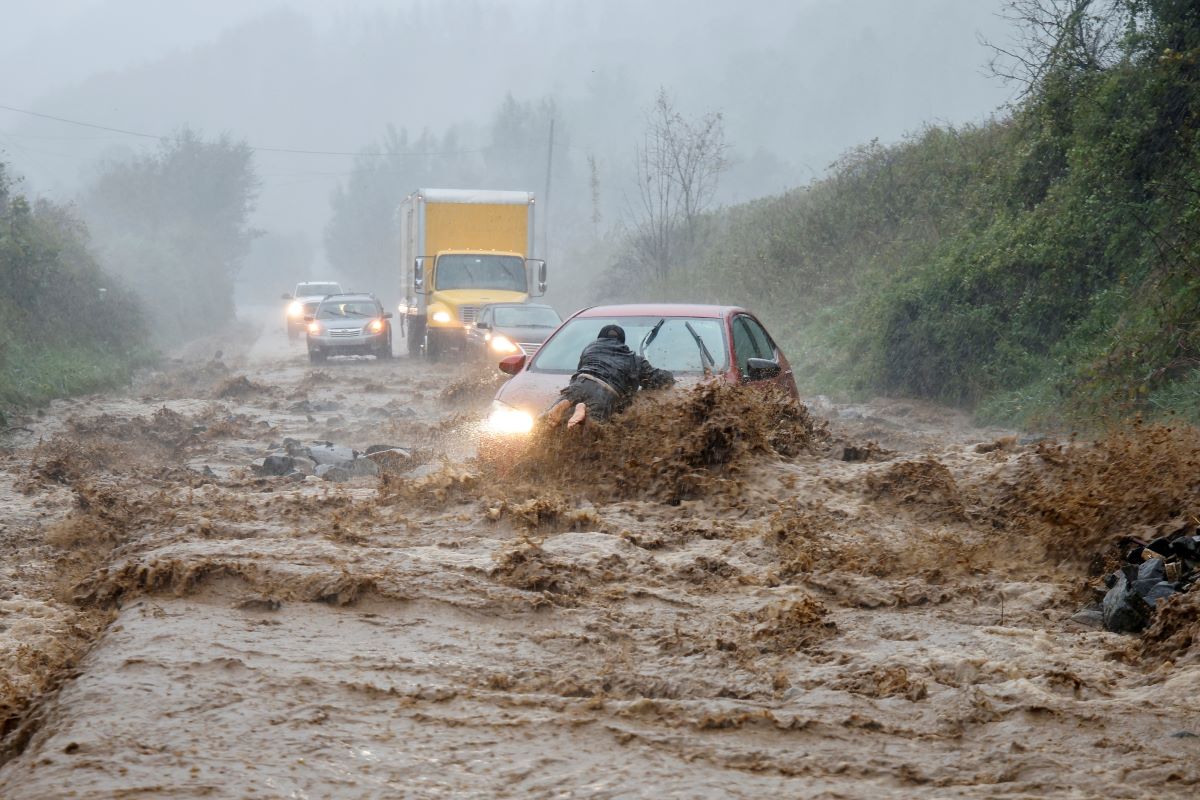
(295, 151)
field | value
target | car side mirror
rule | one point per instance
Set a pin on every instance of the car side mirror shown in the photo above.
(530, 264)
(512, 365)
(286, 296)
(761, 369)
(483, 326)
(387, 315)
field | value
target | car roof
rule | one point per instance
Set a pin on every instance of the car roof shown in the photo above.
(660, 310)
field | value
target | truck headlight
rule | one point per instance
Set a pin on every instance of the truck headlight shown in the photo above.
(442, 317)
(502, 344)
(506, 420)
(295, 309)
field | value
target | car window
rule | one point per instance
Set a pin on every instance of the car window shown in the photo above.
(744, 346)
(317, 289)
(673, 348)
(527, 317)
(480, 272)
(750, 340)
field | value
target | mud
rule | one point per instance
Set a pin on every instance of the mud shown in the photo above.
(719, 596)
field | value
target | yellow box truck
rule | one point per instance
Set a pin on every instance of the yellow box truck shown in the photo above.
(461, 249)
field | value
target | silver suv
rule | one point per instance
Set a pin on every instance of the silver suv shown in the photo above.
(349, 324)
(303, 303)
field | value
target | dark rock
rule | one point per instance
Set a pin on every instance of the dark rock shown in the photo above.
(1091, 617)
(332, 454)
(1125, 610)
(363, 466)
(277, 464)
(330, 472)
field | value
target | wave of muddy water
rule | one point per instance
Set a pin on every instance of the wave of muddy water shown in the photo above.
(175, 626)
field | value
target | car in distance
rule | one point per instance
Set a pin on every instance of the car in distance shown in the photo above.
(505, 329)
(349, 324)
(302, 302)
(694, 342)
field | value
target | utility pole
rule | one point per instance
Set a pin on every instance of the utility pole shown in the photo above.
(545, 213)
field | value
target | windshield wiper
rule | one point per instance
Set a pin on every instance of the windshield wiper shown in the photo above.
(706, 360)
(650, 336)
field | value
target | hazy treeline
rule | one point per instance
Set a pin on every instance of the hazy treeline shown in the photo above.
(67, 325)
(174, 224)
(1043, 265)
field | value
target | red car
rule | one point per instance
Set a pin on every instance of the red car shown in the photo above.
(691, 341)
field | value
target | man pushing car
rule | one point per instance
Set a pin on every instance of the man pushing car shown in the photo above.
(608, 376)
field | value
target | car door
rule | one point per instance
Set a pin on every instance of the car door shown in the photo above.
(751, 340)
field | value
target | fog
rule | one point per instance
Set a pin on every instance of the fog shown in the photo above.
(797, 82)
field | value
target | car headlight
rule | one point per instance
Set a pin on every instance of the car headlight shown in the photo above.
(502, 344)
(295, 309)
(508, 421)
(442, 317)
(314, 328)
(376, 326)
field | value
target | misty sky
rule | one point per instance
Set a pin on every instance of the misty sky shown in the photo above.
(799, 81)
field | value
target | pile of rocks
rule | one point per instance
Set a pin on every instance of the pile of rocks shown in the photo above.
(1153, 571)
(331, 462)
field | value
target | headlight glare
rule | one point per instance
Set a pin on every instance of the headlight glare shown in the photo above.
(502, 344)
(376, 326)
(441, 317)
(314, 328)
(295, 309)
(506, 420)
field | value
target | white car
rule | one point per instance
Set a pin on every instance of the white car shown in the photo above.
(303, 303)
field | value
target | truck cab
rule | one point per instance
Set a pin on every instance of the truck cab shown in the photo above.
(461, 250)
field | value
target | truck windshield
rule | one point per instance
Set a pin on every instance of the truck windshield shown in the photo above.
(673, 347)
(460, 271)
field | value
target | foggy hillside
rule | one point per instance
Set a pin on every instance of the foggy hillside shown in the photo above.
(797, 82)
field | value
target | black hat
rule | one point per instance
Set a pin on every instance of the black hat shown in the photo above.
(612, 332)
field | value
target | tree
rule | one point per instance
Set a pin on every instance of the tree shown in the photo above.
(1062, 37)
(679, 164)
(175, 225)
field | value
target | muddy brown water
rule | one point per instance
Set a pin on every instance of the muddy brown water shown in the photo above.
(172, 625)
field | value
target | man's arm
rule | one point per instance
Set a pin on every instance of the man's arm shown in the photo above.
(650, 377)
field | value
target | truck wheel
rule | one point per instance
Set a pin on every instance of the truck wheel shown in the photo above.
(416, 336)
(433, 346)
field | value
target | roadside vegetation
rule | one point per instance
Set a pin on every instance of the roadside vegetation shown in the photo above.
(66, 326)
(1042, 267)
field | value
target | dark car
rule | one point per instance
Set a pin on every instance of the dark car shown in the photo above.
(349, 324)
(694, 342)
(505, 329)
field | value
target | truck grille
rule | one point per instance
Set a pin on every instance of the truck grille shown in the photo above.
(529, 348)
(467, 314)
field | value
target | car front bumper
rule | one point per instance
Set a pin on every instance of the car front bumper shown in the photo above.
(348, 343)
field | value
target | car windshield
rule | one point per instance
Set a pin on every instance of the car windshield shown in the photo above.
(673, 348)
(481, 272)
(343, 309)
(526, 317)
(317, 289)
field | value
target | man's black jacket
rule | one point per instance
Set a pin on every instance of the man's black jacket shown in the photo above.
(619, 367)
